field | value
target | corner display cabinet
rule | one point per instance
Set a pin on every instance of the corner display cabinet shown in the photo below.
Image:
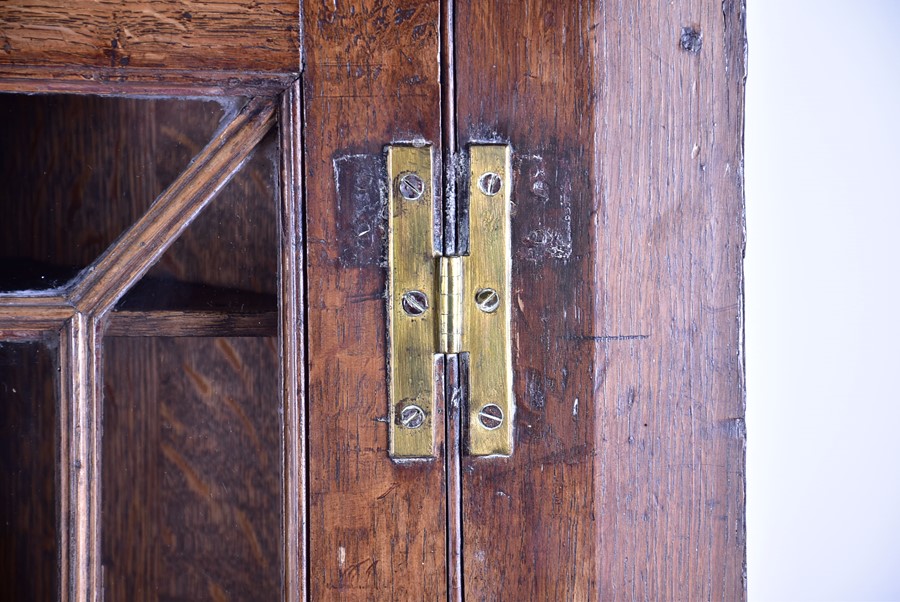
(371, 300)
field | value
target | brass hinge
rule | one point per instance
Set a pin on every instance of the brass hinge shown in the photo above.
(472, 298)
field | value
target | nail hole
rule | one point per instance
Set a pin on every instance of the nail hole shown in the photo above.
(691, 40)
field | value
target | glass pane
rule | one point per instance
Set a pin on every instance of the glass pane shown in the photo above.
(78, 170)
(226, 260)
(192, 471)
(192, 505)
(28, 486)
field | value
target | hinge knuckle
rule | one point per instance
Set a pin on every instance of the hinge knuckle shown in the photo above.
(451, 304)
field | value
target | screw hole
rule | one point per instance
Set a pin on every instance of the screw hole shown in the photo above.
(411, 186)
(491, 416)
(487, 300)
(414, 303)
(490, 183)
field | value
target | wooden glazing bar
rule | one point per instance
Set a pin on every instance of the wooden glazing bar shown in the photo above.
(140, 246)
(176, 323)
(39, 79)
(80, 415)
(28, 317)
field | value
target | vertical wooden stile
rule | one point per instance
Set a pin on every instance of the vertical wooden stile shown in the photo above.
(291, 334)
(376, 527)
(628, 473)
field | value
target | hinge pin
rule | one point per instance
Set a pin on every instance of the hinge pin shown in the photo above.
(451, 274)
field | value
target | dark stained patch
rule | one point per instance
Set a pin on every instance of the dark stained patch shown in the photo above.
(359, 185)
(691, 39)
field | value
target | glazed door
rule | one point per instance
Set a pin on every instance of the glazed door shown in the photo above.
(196, 383)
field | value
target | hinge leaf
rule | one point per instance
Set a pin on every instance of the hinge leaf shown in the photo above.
(411, 302)
(487, 310)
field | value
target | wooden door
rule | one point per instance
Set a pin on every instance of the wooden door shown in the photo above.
(218, 428)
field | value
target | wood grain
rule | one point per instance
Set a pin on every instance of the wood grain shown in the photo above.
(179, 323)
(38, 79)
(199, 421)
(112, 40)
(628, 477)
(376, 528)
(142, 244)
(29, 552)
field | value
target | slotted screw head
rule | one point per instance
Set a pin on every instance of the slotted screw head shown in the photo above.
(414, 303)
(490, 416)
(487, 300)
(412, 187)
(489, 183)
(412, 417)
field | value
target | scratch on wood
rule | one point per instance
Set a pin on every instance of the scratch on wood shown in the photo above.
(390, 489)
(607, 338)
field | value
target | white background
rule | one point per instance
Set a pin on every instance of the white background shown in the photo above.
(823, 300)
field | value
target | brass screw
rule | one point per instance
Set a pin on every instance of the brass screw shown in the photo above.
(414, 303)
(491, 416)
(489, 183)
(487, 300)
(411, 187)
(412, 417)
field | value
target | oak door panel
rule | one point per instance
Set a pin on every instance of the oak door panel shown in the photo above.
(628, 476)
(192, 469)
